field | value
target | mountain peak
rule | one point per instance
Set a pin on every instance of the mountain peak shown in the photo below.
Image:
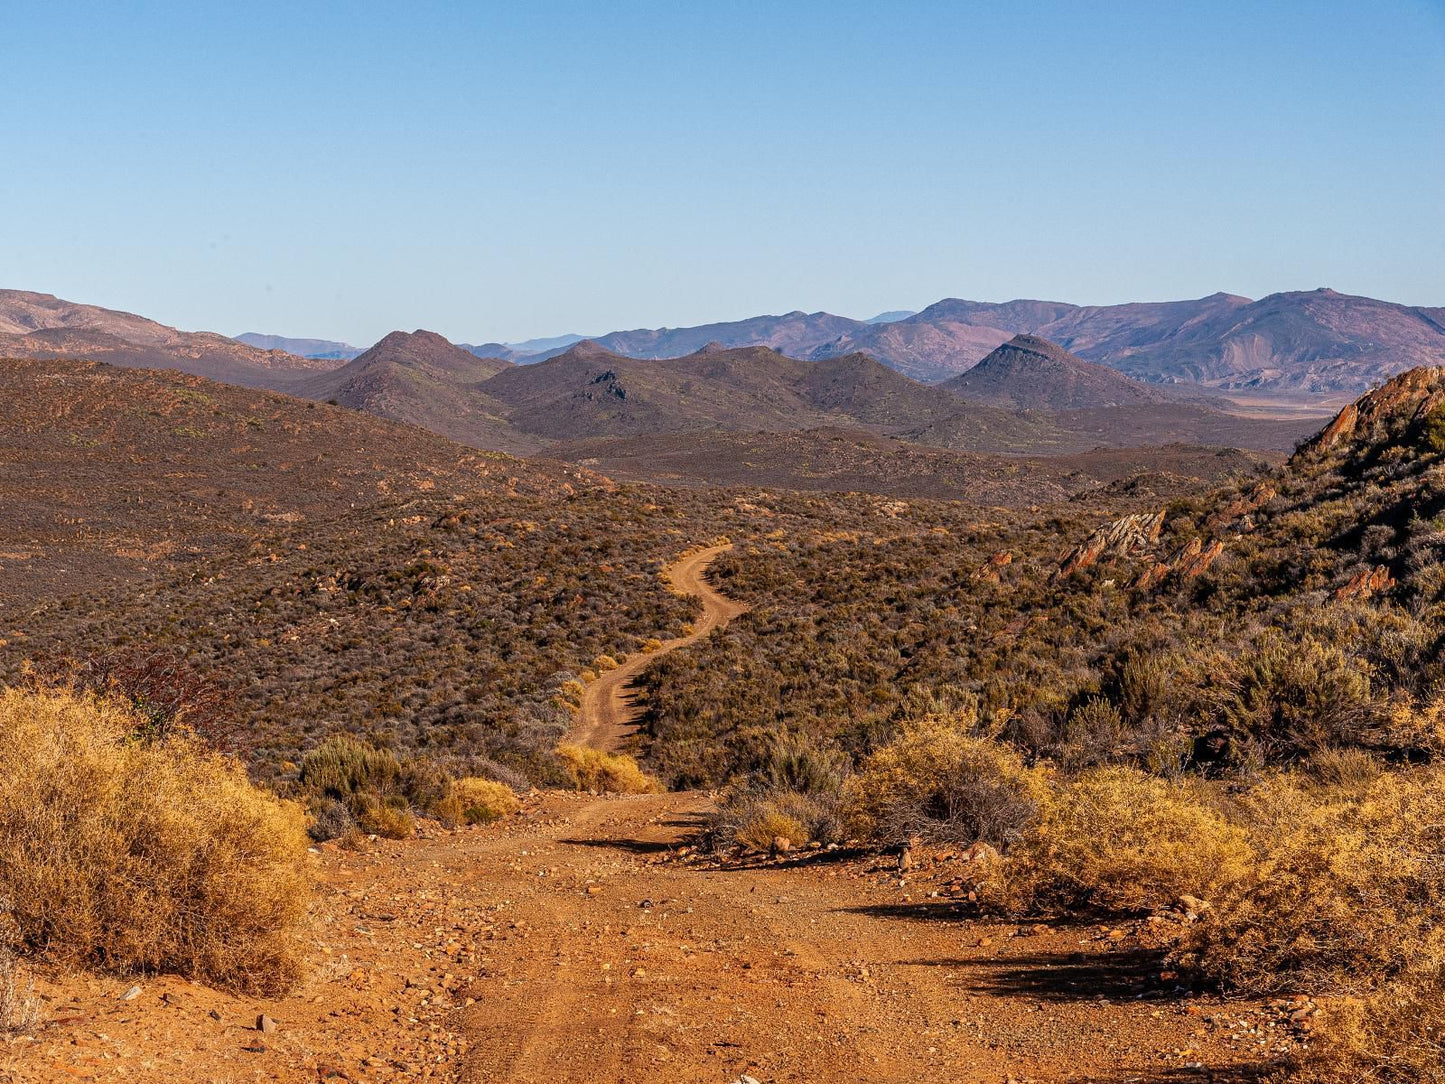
(587, 349)
(1031, 373)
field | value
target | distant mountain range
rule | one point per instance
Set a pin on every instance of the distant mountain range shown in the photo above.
(588, 395)
(1311, 343)
(1028, 395)
(317, 349)
(1318, 341)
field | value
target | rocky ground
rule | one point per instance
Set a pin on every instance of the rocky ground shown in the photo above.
(583, 940)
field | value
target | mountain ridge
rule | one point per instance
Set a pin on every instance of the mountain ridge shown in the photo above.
(37, 325)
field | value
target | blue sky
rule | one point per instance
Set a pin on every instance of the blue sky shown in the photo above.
(505, 171)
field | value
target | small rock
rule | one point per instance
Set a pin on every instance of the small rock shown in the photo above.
(131, 994)
(981, 852)
(265, 1025)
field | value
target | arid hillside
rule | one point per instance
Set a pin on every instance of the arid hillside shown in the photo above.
(421, 378)
(41, 326)
(854, 460)
(112, 474)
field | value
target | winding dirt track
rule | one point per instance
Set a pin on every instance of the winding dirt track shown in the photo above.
(586, 942)
(608, 714)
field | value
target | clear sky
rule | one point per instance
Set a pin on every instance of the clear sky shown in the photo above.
(501, 171)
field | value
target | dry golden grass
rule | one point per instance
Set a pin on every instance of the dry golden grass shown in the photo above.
(609, 773)
(1397, 1036)
(1116, 839)
(1347, 888)
(938, 780)
(122, 853)
(767, 825)
(481, 801)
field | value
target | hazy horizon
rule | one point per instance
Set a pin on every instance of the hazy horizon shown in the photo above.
(503, 175)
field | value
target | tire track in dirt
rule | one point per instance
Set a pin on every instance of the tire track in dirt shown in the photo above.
(608, 714)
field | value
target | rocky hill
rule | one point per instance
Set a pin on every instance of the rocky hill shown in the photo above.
(1030, 373)
(590, 392)
(421, 378)
(36, 325)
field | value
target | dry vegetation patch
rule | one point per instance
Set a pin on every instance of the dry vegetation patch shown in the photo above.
(605, 773)
(127, 853)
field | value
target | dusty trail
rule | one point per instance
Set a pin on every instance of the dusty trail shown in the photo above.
(616, 959)
(577, 944)
(608, 715)
(583, 942)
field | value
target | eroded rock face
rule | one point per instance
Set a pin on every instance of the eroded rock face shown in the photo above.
(1130, 536)
(1410, 397)
(1366, 582)
(1237, 511)
(989, 573)
(1190, 560)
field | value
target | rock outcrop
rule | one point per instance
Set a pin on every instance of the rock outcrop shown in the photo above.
(1131, 536)
(1401, 401)
(1366, 582)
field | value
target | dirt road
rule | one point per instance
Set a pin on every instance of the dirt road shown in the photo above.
(614, 959)
(575, 944)
(584, 942)
(608, 716)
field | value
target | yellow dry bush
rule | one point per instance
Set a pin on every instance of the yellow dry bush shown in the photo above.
(1116, 839)
(603, 663)
(143, 855)
(612, 773)
(766, 825)
(938, 781)
(1348, 888)
(388, 817)
(1397, 1036)
(481, 801)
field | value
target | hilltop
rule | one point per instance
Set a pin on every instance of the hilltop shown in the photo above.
(36, 325)
(1030, 373)
(421, 378)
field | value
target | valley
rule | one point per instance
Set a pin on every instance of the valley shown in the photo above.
(743, 715)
